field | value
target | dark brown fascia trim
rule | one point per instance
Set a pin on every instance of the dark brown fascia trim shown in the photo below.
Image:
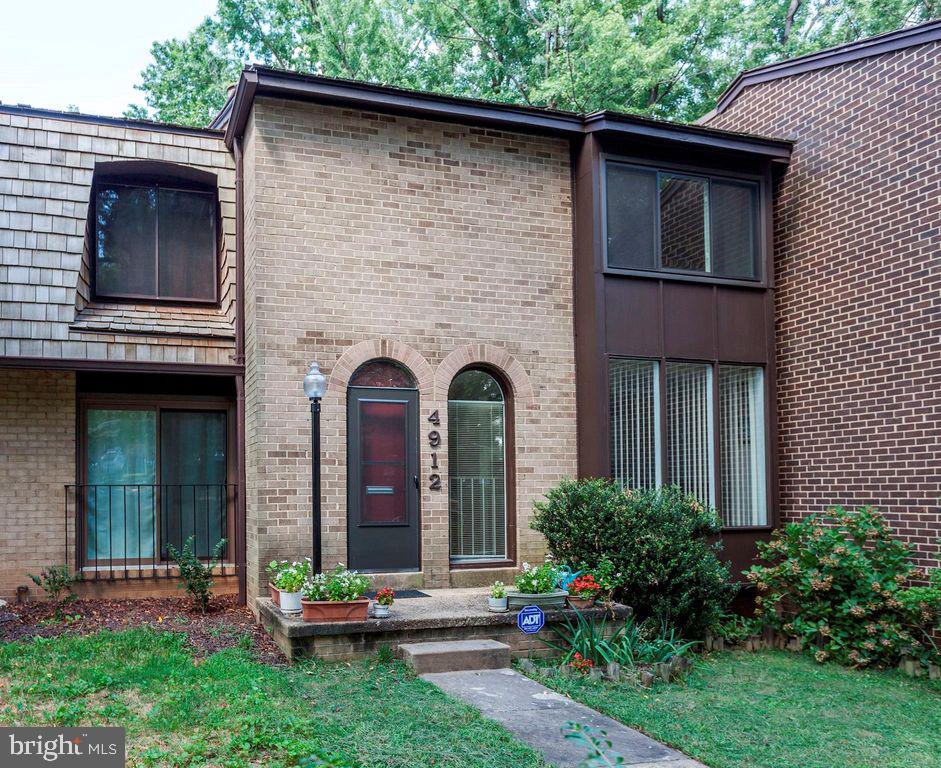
(262, 81)
(119, 366)
(830, 57)
(613, 123)
(81, 117)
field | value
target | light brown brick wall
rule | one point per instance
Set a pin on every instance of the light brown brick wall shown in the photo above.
(857, 249)
(437, 245)
(37, 460)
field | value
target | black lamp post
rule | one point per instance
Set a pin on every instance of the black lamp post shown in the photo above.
(315, 385)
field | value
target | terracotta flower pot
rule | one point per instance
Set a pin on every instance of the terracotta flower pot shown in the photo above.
(275, 594)
(330, 610)
(581, 602)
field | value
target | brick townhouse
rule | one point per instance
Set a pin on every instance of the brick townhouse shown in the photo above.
(500, 297)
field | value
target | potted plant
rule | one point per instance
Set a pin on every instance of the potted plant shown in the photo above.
(497, 600)
(337, 596)
(272, 571)
(537, 585)
(583, 591)
(289, 581)
(384, 599)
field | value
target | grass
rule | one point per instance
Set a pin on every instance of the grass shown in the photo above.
(780, 710)
(231, 710)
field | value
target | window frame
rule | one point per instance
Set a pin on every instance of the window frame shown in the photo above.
(157, 404)
(509, 472)
(699, 173)
(663, 456)
(180, 185)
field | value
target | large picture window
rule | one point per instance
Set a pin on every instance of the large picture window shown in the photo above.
(678, 222)
(673, 437)
(153, 476)
(477, 467)
(155, 242)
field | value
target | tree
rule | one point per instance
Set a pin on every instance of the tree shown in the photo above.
(665, 58)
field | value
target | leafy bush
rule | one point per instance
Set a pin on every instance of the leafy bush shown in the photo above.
(195, 575)
(340, 585)
(538, 580)
(838, 582)
(652, 546)
(54, 580)
(631, 644)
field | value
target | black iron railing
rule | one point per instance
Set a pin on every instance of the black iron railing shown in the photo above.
(128, 530)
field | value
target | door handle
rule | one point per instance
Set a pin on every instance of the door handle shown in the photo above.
(415, 478)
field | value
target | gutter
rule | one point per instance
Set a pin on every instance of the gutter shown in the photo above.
(264, 81)
(240, 505)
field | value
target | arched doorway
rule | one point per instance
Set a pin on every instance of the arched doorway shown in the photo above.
(382, 500)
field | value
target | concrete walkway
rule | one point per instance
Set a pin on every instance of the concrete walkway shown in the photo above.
(536, 716)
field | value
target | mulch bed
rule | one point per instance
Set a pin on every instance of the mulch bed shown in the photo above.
(222, 626)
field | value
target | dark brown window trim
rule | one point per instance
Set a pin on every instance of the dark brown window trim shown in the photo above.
(161, 175)
(714, 364)
(509, 469)
(762, 233)
(156, 403)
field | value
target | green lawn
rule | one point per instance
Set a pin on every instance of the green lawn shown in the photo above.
(231, 710)
(780, 710)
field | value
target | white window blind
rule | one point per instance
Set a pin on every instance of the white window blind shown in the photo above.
(741, 445)
(476, 479)
(635, 423)
(690, 454)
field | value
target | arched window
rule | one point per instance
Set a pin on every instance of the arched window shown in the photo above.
(383, 373)
(477, 467)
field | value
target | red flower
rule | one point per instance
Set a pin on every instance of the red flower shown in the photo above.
(585, 586)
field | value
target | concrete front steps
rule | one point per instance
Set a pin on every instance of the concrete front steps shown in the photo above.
(455, 656)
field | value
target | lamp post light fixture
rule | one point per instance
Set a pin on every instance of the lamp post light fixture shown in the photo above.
(315, 386)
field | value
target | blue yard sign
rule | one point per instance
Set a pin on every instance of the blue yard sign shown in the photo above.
(531, 619)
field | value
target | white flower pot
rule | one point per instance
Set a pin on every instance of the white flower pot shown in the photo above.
(290, 602)
(496, 604)
(380, 611)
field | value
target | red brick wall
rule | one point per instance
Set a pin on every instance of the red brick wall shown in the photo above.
(858, 278)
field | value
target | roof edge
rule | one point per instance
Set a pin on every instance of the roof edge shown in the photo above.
(266, 81)
(887, 42)
(83, 117)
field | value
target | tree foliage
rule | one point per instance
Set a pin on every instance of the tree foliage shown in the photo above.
(664, 58)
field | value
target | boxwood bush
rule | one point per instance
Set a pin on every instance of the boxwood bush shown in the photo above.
(657, 544)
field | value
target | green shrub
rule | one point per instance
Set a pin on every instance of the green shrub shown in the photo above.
(195, 575)
(651, 545)
(54, 580)
(838, 582)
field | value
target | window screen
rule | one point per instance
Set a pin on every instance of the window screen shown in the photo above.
(631, 217)
(635, 423)
(156, 243)
(662, 220)
(742, 446)
(476, 467)
(734, 210)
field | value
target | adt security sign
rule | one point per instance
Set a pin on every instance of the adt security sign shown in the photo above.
(531, 619)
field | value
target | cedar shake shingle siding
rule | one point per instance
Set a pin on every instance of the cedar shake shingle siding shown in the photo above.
(46, 171)
(858, 285)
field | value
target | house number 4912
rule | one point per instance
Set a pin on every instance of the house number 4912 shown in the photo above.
(434, 440)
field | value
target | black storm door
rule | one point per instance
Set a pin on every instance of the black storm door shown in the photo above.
(382, 499)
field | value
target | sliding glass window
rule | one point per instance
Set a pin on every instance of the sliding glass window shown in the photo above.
(674, 437)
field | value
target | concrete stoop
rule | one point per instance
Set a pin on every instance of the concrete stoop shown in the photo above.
(455, 656)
